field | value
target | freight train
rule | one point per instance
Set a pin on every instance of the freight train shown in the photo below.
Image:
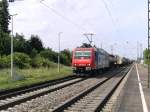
(89, 60)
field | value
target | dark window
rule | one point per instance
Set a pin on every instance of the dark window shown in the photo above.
(82, 54)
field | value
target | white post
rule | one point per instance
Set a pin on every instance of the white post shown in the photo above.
(12, 45)
(12, 48)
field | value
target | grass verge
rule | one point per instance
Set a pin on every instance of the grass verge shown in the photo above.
(31, 76)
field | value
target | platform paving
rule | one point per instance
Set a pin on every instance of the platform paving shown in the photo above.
(144, 76)
(131, 97)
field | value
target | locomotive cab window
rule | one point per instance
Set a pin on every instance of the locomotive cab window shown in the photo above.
(82, 54)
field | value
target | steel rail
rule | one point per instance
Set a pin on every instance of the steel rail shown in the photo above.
(13, 103)
(12, 92)
(73, 100)
(108, 96)
(21, 100)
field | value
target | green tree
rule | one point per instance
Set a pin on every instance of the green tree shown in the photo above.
(36, 43)
(4, 22)
(5, 44)
(66, 57)
(19, 43)
(49, 54)
(39, 61)
(4, 16)
(147, 56)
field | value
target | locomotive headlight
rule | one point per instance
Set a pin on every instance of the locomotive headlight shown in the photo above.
(75, 64)
(89, 64)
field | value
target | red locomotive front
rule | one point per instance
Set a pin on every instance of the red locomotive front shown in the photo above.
(83, 60)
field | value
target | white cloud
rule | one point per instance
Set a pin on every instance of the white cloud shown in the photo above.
(82, 16)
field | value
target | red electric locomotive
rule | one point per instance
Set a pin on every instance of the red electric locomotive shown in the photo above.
(89, 60)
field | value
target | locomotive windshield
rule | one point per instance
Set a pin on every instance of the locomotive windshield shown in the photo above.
(82, 54)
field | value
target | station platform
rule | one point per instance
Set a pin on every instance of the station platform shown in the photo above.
(135, 96)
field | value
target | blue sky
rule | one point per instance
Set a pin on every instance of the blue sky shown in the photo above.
(120, 23)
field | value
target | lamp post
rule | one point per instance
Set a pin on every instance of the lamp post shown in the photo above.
(12, 44)
(59, 34)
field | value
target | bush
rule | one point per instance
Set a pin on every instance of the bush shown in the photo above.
(33, 53)
(49, 54)
(21, 60)
(4, 62)
(39, 61)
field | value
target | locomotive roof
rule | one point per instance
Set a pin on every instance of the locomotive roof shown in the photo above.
(93, 48)
(81, 48)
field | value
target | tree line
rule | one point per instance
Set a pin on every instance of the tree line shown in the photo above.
(31, 53)
(147, 56)
(27, 53)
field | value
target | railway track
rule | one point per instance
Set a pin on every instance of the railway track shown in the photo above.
(13, 97)
(11, 92)
(51, 97)
(93, 99)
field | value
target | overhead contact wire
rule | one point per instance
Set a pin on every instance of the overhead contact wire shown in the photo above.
(62, 16)
(110, 15)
